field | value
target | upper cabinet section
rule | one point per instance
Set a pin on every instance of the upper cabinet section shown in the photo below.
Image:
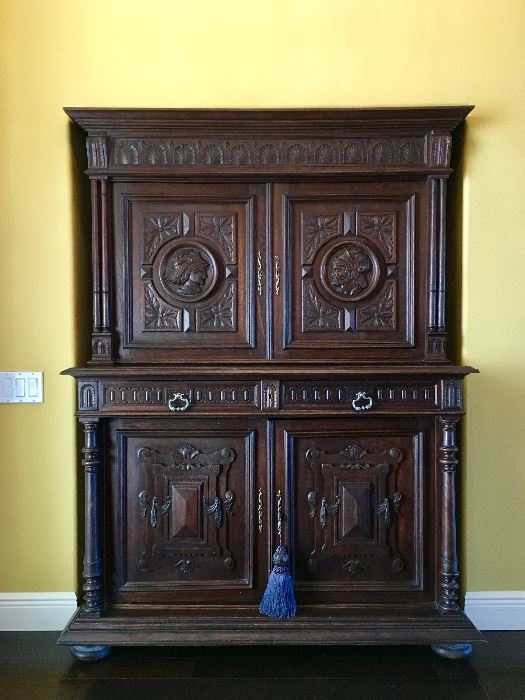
(252, 235)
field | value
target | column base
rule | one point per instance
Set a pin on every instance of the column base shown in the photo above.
(90, 653)
(452, 651)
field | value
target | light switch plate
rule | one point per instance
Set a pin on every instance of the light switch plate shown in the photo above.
(21, 387)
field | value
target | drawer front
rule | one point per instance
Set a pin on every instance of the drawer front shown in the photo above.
(170, 397)
(371, 397)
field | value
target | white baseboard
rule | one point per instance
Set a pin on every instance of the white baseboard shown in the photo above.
(35, 612)
(39, 612)
(496, 610)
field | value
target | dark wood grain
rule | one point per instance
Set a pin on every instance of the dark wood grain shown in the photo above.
(269, 328)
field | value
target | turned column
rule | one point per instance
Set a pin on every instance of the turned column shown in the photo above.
(93, 589)
(448, 460)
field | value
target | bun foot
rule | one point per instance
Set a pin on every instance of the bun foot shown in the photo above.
(452, 651)
(90, 653)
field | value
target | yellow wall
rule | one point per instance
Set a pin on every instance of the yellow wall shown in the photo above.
(237, 53)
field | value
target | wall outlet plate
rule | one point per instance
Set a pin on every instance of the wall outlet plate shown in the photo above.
(21, 387)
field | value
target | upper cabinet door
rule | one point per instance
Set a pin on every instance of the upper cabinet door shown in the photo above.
(350, 264)
(187, 258)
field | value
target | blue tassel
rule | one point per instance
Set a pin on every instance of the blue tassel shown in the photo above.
(279, 598)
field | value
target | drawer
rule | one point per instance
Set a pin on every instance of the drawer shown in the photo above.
(169, 397)
(364, 396)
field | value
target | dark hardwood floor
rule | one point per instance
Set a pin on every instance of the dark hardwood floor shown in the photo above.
(32, 666)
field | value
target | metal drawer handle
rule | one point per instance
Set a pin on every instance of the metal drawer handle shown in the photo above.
(362, 402)
(179, 402)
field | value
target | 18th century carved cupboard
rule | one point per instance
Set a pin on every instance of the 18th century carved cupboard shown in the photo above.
(269, 352)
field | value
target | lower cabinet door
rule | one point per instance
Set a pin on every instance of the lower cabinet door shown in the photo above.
(357, 495)
(184, 496)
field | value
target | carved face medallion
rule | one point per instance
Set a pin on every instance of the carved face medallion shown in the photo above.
(188, 272)
(350, 271)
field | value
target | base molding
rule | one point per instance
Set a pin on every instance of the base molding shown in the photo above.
(246, 626)
(35, 612)
(40, 612)
(496, 610)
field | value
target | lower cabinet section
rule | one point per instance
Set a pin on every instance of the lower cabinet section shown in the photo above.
(190, 522)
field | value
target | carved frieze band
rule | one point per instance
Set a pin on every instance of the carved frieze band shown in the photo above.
(252, 152)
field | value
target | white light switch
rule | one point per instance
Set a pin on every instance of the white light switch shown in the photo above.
(21, 387)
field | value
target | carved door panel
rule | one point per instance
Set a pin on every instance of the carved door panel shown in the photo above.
(347, 283)
(191, 261)
(187, 489)
(356, 511)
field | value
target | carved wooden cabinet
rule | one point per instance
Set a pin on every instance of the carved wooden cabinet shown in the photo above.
(269, 340)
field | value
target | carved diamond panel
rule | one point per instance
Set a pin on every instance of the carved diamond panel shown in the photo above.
(186, 510)
(355, 519)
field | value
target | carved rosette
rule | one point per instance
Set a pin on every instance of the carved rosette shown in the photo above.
(381, 315)
(221, 230)
(317, 313)
(316, 230)
(157, 315)
(158, 228)
(380, 228)
(220, 316)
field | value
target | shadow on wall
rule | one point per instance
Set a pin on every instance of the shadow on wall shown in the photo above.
(455, 246)
(82, 286)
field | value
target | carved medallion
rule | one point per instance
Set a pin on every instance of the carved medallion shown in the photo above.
(350, 271)
(188, 272)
